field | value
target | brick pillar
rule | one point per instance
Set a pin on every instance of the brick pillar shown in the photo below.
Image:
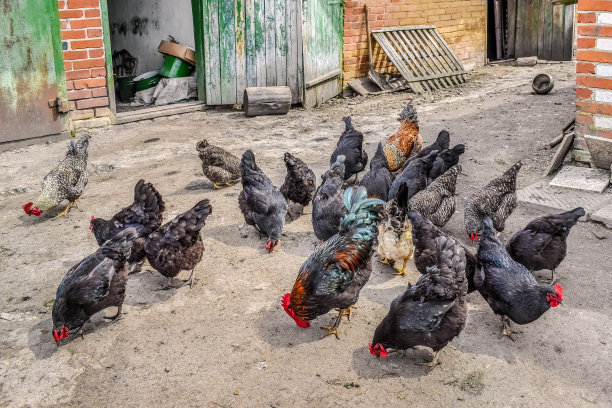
(594, 74)
(84, 62)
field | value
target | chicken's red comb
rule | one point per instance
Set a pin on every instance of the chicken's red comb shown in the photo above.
(31, 211)
(559, 291)
(378, 350)
(286, 302)
(473, 237)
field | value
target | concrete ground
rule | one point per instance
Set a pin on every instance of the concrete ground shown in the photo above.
(227, 342)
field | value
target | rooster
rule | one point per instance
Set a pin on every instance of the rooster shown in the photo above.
(145, 214)
(92, 285)
(496, 200)
(65, 182)
(300, 182)
(327, 204)
(437, 201)
(378, 180)
(334, 274)
(411, 180)
(406, 141)
(218, 165)
(507, 286)
(177, 245)
(350, 145)
(395, 237)
(262, 205)
(424, 235)
(542, 243)
(432, 312)
(444, 161)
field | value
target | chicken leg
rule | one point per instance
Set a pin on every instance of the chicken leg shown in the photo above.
(216, 186)
(506, 328)
(333, 329)
(552, 276)
(191, 278)
(403, 270)
(116, 317)
(227, 183)
(434, 361)
(65, 210)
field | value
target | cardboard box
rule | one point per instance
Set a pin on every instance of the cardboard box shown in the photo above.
(177, 50)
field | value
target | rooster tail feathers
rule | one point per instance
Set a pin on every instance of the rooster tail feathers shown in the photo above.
(120, 245)
(361, 209)
(409, 113)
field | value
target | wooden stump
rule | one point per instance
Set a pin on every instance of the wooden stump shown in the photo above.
(271, 100)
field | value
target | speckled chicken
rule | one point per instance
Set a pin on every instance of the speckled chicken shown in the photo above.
(496, 200)
(406, 141)
(437, 201)
(412, 179)
(65, 182)
(328, 203)
(432, 312)
(424, 235)
(262, 205)
(378, 180)
(444, 161)
(542, 244)
(144, 214)
(300, 182)
(92, 285)
(350, 145)
(395, 237)
(218, 165)
(507, 286)
(334, 274)
(177, 245)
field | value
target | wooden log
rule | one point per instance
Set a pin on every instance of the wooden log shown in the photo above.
(271, 100)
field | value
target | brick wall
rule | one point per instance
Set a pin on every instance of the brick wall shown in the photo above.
(83, 45)
(594, 74)
(462, 24)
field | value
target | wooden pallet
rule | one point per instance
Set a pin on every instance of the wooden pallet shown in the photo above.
(421, 56)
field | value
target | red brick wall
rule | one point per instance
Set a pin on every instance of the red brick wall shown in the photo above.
(81, 27)
(462, 24)
(594, 71)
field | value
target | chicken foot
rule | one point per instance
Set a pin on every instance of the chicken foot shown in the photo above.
(333, 329)
(403, 270)
(385, 261)
(552, 276)
(170, 286)
(505, 322)
(116, 317)
(434, 361)
(190, 279)
(70, 203)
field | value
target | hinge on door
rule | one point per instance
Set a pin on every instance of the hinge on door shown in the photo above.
(62, 105)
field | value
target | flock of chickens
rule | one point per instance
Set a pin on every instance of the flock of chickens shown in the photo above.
(397, 209)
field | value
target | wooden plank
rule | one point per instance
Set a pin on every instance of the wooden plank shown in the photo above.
(560, 153)
(510, 45)
(241, 58)
(198, 7)
(280, 16)
(450, 57)
(417, 87)
(260, 41)
(520, 29)
(407, 39)
(157, 112)
(251, 50)
(270, 27)
(557, 33)
(227, 48)
(568, 34)
(292, 49)
(545, 43)
(213, 83)
(432, 60)
(300, 51)
(445, 61)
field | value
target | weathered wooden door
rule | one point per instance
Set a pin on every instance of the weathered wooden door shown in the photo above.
(31, 69)
(323, 36)
(247, 43)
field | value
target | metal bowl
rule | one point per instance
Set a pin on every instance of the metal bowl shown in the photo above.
(542, 84)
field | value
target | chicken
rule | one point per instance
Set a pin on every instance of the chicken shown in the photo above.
(65, 182)
(424, 235)
(218, 165)
(327, 204)
(432, 312)
(437, 201)
(350, 146)
(542, 243)
(378, 180)
(92, 285)
(406, 141)
(496, 200)
(411, 180)
(442, 142)
(395, 237)
(144, 214)
(262, 205)
(334, 274)
(300, 182)
(444, 161)
(507, 286)
(177, 245)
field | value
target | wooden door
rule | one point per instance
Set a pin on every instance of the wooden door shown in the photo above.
(323, 36)
(244, 43)
(31, 69)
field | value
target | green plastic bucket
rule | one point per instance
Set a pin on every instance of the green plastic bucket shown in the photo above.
(127, 88)
(147, 80)
(174, 67)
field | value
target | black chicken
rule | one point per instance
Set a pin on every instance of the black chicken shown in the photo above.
(262, 205)
(432, 312)
(327, 204)
(145, 214)
(92, 285)
(542, 243)
(507, 286)
(300, 182)
(378, 180)
(437, 201)
(411, 180)
(350, 146)
(442, 143)
(444, 161)
(424, 235)
(177, 245)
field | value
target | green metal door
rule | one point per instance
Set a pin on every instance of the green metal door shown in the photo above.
(323, 39)
(31, 69)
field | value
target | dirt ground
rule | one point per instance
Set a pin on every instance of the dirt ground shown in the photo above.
(227, 342)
